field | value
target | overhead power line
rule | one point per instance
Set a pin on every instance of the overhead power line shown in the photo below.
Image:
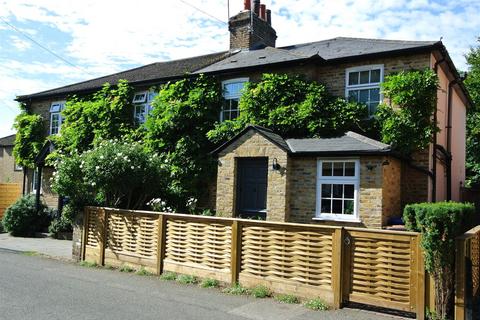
(42, 46)
(203, 11)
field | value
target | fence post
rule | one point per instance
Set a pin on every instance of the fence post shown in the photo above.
(236, 251)
(162, 235)
(103, 235)
(86, 214)
(337, 267)
(421, 283)
(459, 309)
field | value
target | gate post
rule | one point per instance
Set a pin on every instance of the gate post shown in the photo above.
(459, 309)
(337, 267)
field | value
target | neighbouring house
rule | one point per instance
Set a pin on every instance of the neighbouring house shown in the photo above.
(348, 179)
(10, 172)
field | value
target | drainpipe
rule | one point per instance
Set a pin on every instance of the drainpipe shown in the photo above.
(434, 154)
(24, 180)
(39, 185)
(449, 139)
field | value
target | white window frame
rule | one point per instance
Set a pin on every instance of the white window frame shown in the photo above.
(224, 83)
(355, 180)
(34, 185)
(370, 85)
(17, 167)
(56, 112)
(145, 101)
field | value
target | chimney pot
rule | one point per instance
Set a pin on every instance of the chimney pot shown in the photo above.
(247, 4)
(269, 17)
(256, 7)
(263, 8)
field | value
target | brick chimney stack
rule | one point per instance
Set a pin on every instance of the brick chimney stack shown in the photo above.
(252, 28)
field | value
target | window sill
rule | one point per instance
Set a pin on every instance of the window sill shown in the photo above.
(353, 220)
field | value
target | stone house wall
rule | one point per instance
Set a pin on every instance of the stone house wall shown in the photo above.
(253, 144)
(379, 191)
(8, 173)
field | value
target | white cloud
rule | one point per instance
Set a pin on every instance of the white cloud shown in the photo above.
(20, 44)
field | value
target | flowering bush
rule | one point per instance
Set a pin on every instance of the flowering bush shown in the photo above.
(119, 174)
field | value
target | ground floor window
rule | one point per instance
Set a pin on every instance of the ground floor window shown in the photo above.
(338, 189)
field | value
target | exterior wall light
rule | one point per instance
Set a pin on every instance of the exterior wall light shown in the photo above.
(275, 165)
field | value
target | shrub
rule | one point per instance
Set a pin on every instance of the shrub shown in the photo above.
(260, 291)
(186, 279)
(115, 174)
(316, 304)
(440, 223)
(168, 276)
(1, 227)
(237, 290)
(23, 219)
(143, 272)
(287, 298)
(209, 283)
(58, 226)
(88, 264)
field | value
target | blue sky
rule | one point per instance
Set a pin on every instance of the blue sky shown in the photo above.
(102, 37)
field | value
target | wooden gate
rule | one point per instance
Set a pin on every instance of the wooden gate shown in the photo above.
(9, 193)
(384, 269)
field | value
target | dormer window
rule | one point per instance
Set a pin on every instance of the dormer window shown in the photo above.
(363, 86)
(142, 105)
(56, 116)
(232, 91)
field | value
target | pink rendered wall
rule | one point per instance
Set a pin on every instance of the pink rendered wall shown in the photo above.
(457, 136)
(459, 116)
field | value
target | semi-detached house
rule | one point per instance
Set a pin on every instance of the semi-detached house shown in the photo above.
(351, 179)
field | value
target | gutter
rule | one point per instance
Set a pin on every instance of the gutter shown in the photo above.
(449, 139)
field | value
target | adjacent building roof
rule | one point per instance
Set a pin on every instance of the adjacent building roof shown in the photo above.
(322, 51)
(7, 141)
(350, 143)
(149, 73)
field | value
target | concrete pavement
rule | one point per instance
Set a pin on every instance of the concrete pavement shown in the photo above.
(33, 287)
(61, 249)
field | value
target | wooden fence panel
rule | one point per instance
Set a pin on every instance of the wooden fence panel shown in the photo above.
(131, 239)
(201, 248)
(9, 193)
(382, 269)
(376, 267)
(288, 259)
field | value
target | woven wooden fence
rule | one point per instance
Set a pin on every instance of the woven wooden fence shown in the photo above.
(9, 193)
(467, 275)
(376, 267)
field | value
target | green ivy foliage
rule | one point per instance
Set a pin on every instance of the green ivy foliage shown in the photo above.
(472, 82)
(291, 107)
(29, 138)
(118, 174)
(440, 223)
(183, 113)
(406, 122)
(107, 114)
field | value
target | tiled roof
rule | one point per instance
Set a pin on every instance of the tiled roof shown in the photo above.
(7, 141)
(337, 48)
(350, 143)
(151, 72)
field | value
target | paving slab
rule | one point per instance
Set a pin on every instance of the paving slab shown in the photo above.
(61, 249)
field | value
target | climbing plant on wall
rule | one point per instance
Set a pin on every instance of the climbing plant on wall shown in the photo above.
(29, 138)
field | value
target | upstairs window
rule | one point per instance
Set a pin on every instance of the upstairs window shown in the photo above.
(337, 189)
(363, 85)
(142, 105)
(56, 116)
(232, 91)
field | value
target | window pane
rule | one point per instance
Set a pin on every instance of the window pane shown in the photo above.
(326, 169)
(326, 190)
(349, 191)
(326, 206)
(55, 107)
(353, 78)
(375, 75)
(374, 95)
(348, 206)
(353, 95)
(372, 108)
(139, 97)
(349, 169)
(337, 206)
(364, 77)
(233, 90)
(338, 190)
(364, 95)
(338, 169)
